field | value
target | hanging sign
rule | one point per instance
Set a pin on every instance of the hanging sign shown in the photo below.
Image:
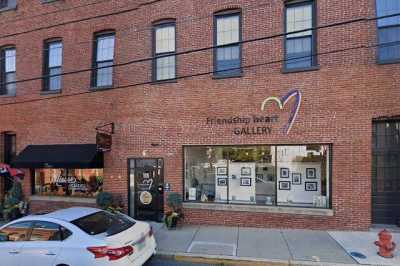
(103, 141)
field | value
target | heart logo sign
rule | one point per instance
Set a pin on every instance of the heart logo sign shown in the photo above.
(282, 102)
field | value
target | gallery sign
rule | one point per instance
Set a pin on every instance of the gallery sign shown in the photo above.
(261, 124)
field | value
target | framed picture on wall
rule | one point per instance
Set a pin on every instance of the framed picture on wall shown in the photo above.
(311, 173)
(222, 171)
(284, 185)
(222, 182)
(296, 178)
(284, 173)
(246, 171)
(311, 186)
(245, 182)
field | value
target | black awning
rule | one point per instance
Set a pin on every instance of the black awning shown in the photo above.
(76, 156)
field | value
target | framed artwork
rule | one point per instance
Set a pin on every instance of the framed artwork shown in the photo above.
(311, 173)
(246, 171)
(311, 186)
(245, 182)
(284, 185)
(284, 173)
(222, 171)
(222, 182)
(296, 178)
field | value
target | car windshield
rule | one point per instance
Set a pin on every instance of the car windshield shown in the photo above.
(104, 222)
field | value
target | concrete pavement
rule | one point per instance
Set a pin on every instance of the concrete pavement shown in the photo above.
(252, 244)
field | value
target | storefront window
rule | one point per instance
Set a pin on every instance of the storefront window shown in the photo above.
(68, 182)
(262, 175)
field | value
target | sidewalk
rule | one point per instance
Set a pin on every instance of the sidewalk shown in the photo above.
(269, 246)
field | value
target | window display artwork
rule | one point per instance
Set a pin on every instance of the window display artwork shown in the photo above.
(284, 185)
(222, 182)
(258, 174)
(311, 186)
(245, 181)
(284, 173)
(296, 178)
(310, 173)
(68, 182)
(222, 171)
(246, 171)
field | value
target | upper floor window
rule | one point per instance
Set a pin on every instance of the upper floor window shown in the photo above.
(7, 71)
(103, 60)
(300, 48)
(227, 33)
(164, 67)
(53, 65)
(388, 30)
(7, 4)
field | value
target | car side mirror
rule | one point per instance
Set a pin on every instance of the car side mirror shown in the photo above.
(3, 238)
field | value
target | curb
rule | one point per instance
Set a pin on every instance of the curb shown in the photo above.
(241, 261)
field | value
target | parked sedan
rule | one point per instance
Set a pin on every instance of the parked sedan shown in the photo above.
(76, 237)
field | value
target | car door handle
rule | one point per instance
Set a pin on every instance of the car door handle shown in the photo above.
(14, 252)
(50, 254)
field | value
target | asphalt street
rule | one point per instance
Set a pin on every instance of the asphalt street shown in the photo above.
(165, 262)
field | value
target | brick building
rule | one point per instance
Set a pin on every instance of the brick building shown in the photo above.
(253, 127)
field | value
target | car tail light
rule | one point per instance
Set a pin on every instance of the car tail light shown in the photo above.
(111, 253)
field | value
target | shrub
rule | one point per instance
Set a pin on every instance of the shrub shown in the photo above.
(104, 200)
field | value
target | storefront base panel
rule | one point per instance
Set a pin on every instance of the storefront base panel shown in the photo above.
(269, 220)
(38, 206)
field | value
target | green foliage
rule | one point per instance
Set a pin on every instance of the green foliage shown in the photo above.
(104, 200)
(12, 202)
(174, 201)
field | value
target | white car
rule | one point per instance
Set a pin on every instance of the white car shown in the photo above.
(76, 237)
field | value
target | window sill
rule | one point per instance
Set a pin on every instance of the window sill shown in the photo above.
(104, 88)
(49, 1)
(9, 8)
(258, 208)
(388, 62)
(303, 69)
(50, 92)
(7, 96)
(167, 81)
(63, 199)
(228, 76)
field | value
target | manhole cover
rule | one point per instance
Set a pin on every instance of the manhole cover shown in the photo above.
(358, 255)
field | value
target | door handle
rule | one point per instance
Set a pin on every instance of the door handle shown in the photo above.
(14, 252)
(50, 254)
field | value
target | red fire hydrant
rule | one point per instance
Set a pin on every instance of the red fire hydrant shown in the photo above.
(385, 244)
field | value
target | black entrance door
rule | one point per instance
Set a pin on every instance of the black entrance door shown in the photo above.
(386, 172)
(146, 189)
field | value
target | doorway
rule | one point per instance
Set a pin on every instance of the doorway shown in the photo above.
(146, 189)
(386, 172)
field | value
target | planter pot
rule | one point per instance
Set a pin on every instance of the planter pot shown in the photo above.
(171, 222)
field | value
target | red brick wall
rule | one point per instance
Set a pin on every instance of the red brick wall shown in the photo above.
(339, 100)
(36, 206)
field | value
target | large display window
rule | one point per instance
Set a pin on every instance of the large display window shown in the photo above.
(68, 182)
(293, 175)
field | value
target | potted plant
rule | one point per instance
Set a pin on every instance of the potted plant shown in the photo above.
(174, 203)
(106, 201)
(12, 202)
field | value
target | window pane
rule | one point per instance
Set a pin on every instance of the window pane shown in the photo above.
(303, 173)
(228, 29)
(105, 48)
(11, 87)
(55, 82)
(45, 231)
(228, 58)
(77, 182)
(386, 8)
(104, 75)
(230, 174)
(298, 52)
(16, 232)
(165, 68)
(389, 49)
(10, 60)
(299, 18)
(55, 54)
(165, 39)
